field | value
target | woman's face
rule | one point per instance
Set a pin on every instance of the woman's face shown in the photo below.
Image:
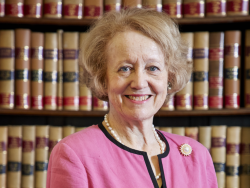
(136, 76)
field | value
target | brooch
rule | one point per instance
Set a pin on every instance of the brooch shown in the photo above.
(185, 149)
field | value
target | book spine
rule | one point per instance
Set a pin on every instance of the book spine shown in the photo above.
(37, 44)
(244, 158)
(41, 156)
(232, 69)
(184, 98)
(28, 156)
(52, 8)
(2, 8)
(205, 136)
(70, 71)
(215, 8)
(67, 130)
(93, 8)
(3, 155)
(55, 135)
(247, 69)
(14, 156)
(192, 132)
(233, 157)
(237, 7)
(99, 105)
(112, 5)
(194, 8)
(201, 44)
(173, 8)
(178, 130)
(152, 4)
(132, 4)
(166, 129)
(218, 153)
(59, 98)
(77, 129)
(168, 106)
(72, 9)
(33, 8)
(22, 68)
(50, 71)
(216, 64)
(7, 68)
(14, 8)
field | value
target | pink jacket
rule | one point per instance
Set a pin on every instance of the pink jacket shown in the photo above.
(92, 158)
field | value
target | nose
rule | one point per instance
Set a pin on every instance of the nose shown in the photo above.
(139, 80)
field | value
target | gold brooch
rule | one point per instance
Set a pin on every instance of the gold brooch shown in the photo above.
(185, 149)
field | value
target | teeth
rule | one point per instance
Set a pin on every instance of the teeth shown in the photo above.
(138, 98)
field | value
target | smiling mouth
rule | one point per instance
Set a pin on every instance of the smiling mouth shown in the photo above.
(141, 98)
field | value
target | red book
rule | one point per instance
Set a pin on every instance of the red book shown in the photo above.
(2, 6)
(14, 8)
(110, 5)
(173, 8)
(72, 9)
(33, 8)
(52, 8)
(193, 8)
(215, 8)
(237, 7)
(93, 8)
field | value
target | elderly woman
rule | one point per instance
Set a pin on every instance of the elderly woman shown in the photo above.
(135, 60)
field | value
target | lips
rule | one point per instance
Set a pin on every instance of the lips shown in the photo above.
(138, 98)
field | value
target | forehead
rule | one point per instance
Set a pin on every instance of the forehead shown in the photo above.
(133, 44)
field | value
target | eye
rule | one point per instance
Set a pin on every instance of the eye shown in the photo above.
(124, 69)
(153, 68)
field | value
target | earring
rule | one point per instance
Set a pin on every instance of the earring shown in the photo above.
(169, 86)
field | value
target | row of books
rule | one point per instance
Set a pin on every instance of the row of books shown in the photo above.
(41, 71)
(229, 148)
(94, 8)
(25, 151)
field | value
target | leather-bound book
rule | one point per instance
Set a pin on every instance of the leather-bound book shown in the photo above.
(216, 64)
(55, 135)
(2, 8)
(41, 156)
(233, 157)
(33, 8)
(93, 8)
(99, 105)
(112, 5)
(193, 8)
(173, 8)
(67, 130)
(247, 69)
(28, 156)
(14, 8)
(232, 69)
(166, 129)
(218, 153)
(50, 71)
(3, 155)
(205, 136)
(59, 91)
(52, 8)
(14, 156)
(192, 132)
(70, 71)
(184, 98)
(245, 158)
(22, 68)
(131, 3)
(37, 45)
(215, 8)
(178, 130)
(168, 106)
(152, 4)
(237, 7)
(7, 67)
(85, 96)
(200, 77)
(72, 9)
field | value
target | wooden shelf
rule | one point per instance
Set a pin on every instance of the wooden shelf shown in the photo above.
(223, 112)
(86, 22)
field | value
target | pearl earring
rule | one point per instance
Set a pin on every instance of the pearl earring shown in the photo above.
(169, 86)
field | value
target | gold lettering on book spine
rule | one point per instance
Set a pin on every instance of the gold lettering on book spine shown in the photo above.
(72, 9)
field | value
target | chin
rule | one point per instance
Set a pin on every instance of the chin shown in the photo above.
(140, 115)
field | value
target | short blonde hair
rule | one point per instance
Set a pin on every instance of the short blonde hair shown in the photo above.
(155, 25)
